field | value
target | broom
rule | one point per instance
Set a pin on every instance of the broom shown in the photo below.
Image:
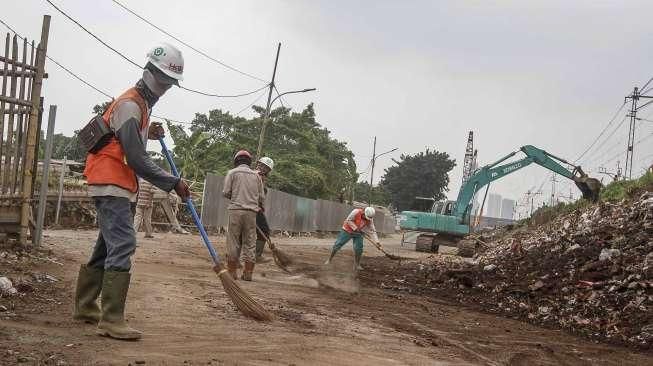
(281, 259)
(379, 247)
(243, 301)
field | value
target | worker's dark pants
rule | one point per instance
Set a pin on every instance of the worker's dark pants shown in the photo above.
(262, 223)
(116, 242)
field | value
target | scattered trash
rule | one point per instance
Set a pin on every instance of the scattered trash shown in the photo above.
(609, 254)
(6, 287)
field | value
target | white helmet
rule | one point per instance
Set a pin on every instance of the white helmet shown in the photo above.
(370, 212)
(168, 59)
(267, 162)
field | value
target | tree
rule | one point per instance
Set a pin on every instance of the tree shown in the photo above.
(380, 196)
(308, 161)
(425, 174)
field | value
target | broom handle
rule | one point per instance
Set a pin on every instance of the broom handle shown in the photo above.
(191, 206)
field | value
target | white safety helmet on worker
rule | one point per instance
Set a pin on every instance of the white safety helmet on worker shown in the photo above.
(370, 212)
(168, 59)
(267, 162)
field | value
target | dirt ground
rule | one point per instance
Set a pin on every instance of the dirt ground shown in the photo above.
(188, 320)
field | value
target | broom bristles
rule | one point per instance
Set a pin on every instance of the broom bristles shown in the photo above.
(243, 301)
(283, 258)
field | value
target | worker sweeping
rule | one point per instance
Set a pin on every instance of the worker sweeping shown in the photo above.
(359, 222)
(116, 142)
(264, 167)
(244, 188)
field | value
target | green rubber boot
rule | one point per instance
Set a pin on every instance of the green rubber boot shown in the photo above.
(260, 245)
(114, 295)
(89, 285)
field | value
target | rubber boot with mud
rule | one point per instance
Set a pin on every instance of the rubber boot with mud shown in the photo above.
(247, 273)
(232, 268)
(260, 245)
(89, 285)
(114, 295)
(357, 262)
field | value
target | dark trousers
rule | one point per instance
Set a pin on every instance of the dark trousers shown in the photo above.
(116, 242)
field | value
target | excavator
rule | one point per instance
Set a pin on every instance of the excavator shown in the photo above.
(449, 221)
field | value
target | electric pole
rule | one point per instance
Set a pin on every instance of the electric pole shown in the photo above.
(634, 97)
(369, 195)
(553, 189)
(267, 108)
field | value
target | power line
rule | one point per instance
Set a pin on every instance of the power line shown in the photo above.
(602, 132)
(635, 144)
(645, 85)
(608, 139)
(186, 44)
(224, 96)
(139, 66)
(62, 66)
(251, 104)
(93, 35)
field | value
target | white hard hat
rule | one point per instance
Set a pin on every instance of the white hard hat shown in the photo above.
(267, 162)
(168, 59)
(370, 212)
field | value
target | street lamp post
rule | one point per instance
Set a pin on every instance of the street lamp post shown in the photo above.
(374, 157)
(266, 118)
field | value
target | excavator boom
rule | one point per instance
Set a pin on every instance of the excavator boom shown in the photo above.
(455, 222)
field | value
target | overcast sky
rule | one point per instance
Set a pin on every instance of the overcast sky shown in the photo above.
(416, 74)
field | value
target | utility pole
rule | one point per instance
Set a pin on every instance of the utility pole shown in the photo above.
(553, 189)
(267, 109)
(369, 195)
(634, 97)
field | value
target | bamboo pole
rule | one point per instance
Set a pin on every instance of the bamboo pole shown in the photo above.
(3, 110)
(31, 129)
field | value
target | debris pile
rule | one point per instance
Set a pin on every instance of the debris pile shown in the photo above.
(590, 272)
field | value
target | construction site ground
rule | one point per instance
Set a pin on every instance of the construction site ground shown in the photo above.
(187, 319)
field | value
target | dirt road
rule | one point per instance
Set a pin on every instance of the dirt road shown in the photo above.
(179, 304)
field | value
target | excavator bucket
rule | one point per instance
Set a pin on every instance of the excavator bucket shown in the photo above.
(590, 187)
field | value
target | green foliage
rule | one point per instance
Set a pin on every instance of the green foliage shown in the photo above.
(425, 174)
(616, 191)
(613, 192)
(380, 196)
(308, 161)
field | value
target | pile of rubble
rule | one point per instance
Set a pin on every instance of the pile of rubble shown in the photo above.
(589, 271)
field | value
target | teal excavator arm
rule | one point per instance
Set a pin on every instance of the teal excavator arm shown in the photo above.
(589, 186)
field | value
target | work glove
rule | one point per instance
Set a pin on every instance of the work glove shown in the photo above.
(156, 131)
(182, 190)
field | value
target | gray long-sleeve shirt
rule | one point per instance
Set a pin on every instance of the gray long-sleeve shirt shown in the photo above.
(244, 188)
(125, 122)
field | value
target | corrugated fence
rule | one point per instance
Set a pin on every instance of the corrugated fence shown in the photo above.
(285, 212)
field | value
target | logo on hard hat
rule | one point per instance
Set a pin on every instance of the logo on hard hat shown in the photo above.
(159, 52)
(176, 68)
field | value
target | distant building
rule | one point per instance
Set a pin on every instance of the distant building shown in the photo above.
(507, 209)
(493, 205)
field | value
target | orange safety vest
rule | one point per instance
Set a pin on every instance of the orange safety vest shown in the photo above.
(109, 165)
(359, 220)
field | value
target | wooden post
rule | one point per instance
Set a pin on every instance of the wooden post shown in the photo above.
(61, 178)
(43, 192)
(31, 129)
